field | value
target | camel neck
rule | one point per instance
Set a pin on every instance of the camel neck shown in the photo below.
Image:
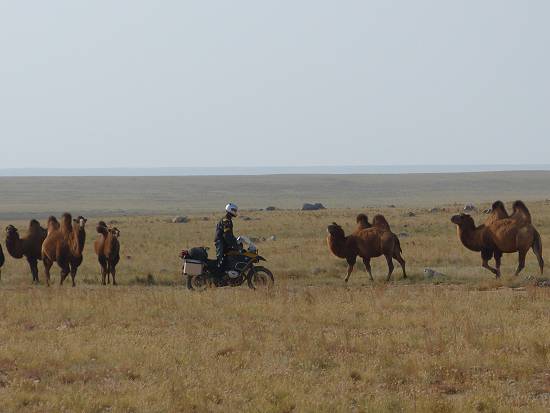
(81, 238)
(14, 245)
(338, 246)
(471, 237)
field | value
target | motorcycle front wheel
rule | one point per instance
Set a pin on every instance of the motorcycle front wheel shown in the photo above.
(197, 282)
(260, 277)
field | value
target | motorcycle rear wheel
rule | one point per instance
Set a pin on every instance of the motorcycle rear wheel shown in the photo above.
(260, 278)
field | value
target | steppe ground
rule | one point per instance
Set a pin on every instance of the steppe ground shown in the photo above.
(461, 341)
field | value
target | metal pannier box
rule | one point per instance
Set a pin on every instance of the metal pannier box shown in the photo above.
(192, 267)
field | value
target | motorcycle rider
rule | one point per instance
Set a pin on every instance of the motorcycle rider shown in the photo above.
(225, 240)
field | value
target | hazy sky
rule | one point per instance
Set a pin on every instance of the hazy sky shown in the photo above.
(143, 83)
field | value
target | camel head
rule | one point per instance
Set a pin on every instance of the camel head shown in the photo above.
(11, 232)
(115, 232)
(80, 221)
(463, 220)
(336, 230)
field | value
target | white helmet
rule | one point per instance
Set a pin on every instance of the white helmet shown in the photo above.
(232, 209)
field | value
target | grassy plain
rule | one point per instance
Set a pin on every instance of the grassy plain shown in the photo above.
(462, 341)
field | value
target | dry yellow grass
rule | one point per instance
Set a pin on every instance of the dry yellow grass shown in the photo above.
(461, 342)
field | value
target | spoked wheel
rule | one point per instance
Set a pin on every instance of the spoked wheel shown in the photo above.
(260, 278)
(197, 282)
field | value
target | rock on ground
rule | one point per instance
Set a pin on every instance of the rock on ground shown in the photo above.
(312, 207)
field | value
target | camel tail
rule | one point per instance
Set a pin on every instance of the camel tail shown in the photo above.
(537, 249)
(398, 244)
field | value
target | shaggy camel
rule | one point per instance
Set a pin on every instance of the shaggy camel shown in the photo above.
(475, 238)
(64, 244)
(107, 248)
(2, 260)
(367, 243)
(505, 235)
(55, 249)
(28, 247)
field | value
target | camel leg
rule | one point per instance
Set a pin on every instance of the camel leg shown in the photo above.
(486, 255)
(113, 272)
(498, 259)
(103, 268)
(351, 264)
(33, 263)
(541, 263)
(65, 266)
(366, 261)
(64, 272)
(47, 266)
(401, 262)
(108, 272)
(486, 265)
(537, 249)
(73, 274)
(390, 266)
(521, 261)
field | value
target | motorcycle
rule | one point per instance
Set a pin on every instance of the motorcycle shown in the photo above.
(241, 266)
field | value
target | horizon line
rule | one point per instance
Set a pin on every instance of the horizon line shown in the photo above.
(168, 171)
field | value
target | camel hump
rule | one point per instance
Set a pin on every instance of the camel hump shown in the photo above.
(53, 224)
(498, 206)
(363, 221)
(66, 222)
(379, 221)
(33, 223)
(520, 208)
(102, 228)
(35, 228)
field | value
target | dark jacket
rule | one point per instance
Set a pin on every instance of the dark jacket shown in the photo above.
(225, 240)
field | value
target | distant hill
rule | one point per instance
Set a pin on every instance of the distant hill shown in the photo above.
(25, 197)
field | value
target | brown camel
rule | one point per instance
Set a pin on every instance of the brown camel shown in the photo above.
(475, 238)
(64, 244)
(29, 246)
(76, 239)
(55, 249)
(2, 260)
(505, 235)
(107, 248)
(367, 243)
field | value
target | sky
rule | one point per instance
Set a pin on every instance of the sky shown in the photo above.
(140, 83)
